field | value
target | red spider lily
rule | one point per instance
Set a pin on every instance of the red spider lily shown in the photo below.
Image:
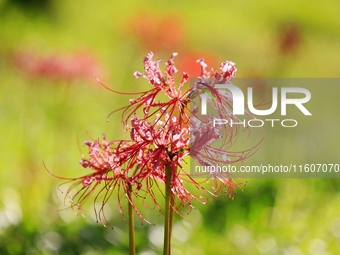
(55, 67)
(169, 146)
(111, 163)
(139, 165)
(148, 100)
(210, 144)
(131, 165)
(219, 100)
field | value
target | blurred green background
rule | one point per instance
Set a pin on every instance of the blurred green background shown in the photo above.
(50, 103)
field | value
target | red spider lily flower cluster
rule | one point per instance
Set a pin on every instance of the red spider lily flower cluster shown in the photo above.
(167, 132)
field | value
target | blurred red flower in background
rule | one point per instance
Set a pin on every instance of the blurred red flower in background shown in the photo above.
(290, 38)
(189, 63)
(56, 67)
(157, 33)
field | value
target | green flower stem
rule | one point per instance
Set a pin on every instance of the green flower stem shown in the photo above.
(131, 226)
(168, 213)
(169, 200)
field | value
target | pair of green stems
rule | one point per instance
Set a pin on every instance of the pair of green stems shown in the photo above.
(168, 220)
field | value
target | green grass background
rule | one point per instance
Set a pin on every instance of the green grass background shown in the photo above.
(42, 120)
